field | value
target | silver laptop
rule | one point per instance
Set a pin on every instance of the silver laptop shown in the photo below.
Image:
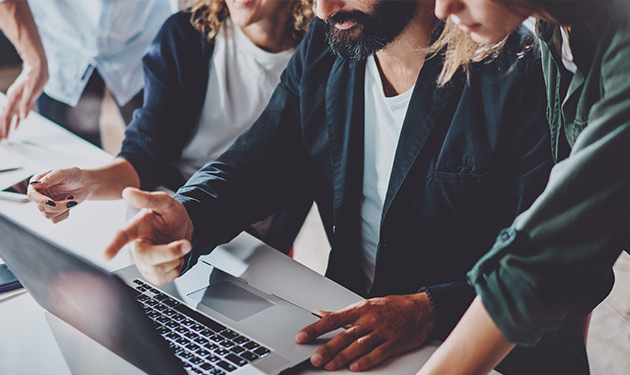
(220, 326)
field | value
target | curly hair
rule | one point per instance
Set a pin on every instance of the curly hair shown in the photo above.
(207, 16)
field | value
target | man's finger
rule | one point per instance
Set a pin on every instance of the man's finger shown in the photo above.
(358, 347)
(7, 116)
(164, 278)
(327, 323)
(328, 351)
(154, 255)
(157, 201)
(129, 233)
(376, 356)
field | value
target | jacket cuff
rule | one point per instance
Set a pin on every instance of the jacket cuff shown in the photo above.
(449, 302)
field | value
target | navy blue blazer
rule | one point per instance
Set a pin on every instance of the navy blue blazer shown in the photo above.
(471, 156)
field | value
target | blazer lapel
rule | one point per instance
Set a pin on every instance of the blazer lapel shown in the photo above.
(344, 116)
(425, 109)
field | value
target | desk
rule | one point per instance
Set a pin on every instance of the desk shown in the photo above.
(29, 347)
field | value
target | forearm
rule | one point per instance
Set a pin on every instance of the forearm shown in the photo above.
(475, 346)
(109, 181)
(17, 23)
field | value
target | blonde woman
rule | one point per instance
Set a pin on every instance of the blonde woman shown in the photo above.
(554, 264)
(208, 75)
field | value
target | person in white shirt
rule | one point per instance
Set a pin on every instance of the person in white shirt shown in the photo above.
(72, 51)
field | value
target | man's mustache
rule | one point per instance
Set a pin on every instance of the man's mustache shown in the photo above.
(344, 16)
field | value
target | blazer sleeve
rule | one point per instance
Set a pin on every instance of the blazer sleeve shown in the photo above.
(524, 163)
(555, 261)
(175, 81)
(262, 171)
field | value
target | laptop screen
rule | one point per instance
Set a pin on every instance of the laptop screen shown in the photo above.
(85, 296)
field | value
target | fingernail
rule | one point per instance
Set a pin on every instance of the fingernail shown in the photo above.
(330, 366)
(186, 248)
(51, 203)
(71, 197)
(354, 366)
(301, 337)
(71, 204)
(35, 182)
(316, 359)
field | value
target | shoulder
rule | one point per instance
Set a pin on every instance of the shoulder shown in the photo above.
(517, 60)
(178, 28)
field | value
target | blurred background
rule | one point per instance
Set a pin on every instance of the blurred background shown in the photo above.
(608, 342)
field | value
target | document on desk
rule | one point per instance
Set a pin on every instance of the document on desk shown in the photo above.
(7, 161)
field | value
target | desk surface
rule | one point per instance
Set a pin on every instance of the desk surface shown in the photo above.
(40, 145)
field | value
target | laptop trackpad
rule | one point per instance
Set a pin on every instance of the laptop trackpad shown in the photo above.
(230, 300)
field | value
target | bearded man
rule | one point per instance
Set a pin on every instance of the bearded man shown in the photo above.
(413, 180)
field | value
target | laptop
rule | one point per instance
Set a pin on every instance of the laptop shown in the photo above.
(220, 326)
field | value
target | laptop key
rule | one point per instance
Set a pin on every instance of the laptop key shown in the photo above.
(226, 344)
(251, 345)
(216, 371)
(249, 356)
(215, 338)
(203, 352)
(237, 349)
(262, 351)
(213, 325)
(226, 366)
(240, 339)
(206, 366)
(222, 351)
(229, 334)
(240, 362)
(206, 332)
(211, 346)
(212, 358)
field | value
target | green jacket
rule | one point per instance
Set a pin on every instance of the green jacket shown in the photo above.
(554, 264)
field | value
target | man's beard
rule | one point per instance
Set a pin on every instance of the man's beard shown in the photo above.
(373, 31)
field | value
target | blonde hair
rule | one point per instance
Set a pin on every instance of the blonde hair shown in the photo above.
(459, 51)
(207, 16)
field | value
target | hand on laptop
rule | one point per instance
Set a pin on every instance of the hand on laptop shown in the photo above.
(376, 329)
(159, 234)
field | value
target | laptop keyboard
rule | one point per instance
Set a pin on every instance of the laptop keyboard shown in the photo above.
(204, 345)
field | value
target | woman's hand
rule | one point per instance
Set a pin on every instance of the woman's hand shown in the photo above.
(56, 192)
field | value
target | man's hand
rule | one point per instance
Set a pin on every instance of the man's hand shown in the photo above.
(19, 26)
(22, 95)
(376, 329)
(160, 235)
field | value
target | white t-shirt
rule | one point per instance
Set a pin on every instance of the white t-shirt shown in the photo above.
(241, 81)
(383, 122)
(567, 54)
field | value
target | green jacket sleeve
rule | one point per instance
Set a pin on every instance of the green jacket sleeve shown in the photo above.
(555, 262)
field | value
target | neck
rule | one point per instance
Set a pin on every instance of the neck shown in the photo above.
(400, 61)
(270, 34)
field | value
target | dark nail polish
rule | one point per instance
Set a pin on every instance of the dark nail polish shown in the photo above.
(71, 204)
(35, 182)
(51, 203)
(71, 197)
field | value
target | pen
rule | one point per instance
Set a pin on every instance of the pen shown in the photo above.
(9, 169)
